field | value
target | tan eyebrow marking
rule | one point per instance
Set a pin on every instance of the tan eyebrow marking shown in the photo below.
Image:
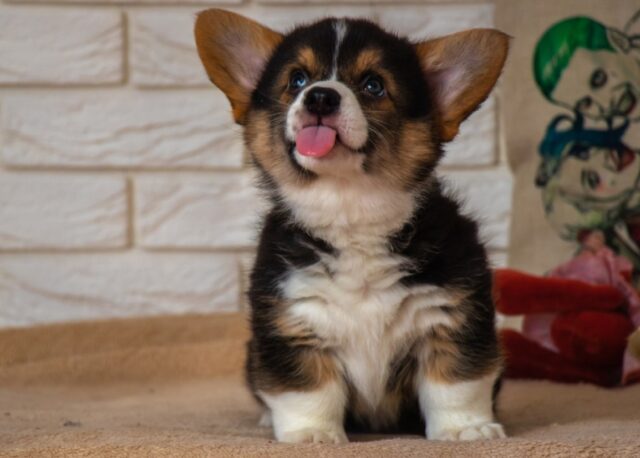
(307, 58)
(366, 60)
(370, 60)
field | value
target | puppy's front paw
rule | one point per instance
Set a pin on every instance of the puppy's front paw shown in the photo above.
(315, 435)
(472, 433)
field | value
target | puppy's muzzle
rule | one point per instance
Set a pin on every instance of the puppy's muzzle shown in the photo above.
(322, 101)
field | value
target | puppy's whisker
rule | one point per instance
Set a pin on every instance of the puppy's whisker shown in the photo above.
(273, 99)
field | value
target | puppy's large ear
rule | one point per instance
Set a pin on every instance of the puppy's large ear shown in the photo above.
(234, 51)
(462, 68)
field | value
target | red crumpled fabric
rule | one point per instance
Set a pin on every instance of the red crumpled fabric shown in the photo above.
(604, 267)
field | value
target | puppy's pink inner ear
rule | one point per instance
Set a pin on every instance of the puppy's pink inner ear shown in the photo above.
(447, 83)
(253, 62)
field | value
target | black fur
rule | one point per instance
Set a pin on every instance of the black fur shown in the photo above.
(440, 246)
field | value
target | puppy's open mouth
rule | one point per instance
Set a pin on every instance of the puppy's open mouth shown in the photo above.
(316, 140)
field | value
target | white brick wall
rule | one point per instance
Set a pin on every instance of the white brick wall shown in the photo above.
(62, 212)
(123, 189)
(54, 287)
(119, 128)
(217, 210)
(75, 46)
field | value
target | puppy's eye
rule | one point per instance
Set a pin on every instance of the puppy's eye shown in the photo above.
(298, 80)
(372, 85)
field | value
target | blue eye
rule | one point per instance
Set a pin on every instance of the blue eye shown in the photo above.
(298, 80)
(373, 86)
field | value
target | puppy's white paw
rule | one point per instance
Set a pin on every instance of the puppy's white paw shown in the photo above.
(315, 435)
(472, 433)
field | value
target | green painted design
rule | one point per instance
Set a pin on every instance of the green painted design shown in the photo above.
(589, 172)
(558, 44)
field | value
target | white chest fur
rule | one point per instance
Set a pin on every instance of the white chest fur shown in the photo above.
(356, 304)
(354, 301)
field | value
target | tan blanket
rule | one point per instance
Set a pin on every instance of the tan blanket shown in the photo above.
(171, 386)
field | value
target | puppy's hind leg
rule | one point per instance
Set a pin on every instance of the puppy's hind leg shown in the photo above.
(309, 416)
(456, 386)
(460, 410)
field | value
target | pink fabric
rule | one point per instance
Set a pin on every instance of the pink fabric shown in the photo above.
(602, 267)
(537, 327)
(599, 267)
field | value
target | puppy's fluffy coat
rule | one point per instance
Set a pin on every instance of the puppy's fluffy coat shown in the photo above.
(370, 295)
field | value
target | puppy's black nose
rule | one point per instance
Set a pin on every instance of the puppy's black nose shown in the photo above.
(322, 101)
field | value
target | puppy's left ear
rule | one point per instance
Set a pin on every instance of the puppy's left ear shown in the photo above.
(461, 69)
(234, 51)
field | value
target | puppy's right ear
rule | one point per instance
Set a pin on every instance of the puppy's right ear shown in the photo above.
(234, 51)
(462, 68)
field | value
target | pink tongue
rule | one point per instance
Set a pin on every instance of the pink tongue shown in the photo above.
(315, 141)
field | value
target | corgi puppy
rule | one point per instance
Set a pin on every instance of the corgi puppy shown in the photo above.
(370, 295)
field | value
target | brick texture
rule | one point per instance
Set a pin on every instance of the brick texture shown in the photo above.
(164, 54)
(124, 188)
(486, 195)
(120, 129)
(50, 288)
(62, 212)
(187, 211)
(51, 46)
(159, 58)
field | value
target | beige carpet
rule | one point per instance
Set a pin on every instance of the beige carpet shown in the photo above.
(172, 387)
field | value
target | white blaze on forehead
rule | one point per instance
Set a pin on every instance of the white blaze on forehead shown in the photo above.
(340, 27)
(349, 121)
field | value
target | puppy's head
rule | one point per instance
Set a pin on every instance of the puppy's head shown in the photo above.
(342, 98)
